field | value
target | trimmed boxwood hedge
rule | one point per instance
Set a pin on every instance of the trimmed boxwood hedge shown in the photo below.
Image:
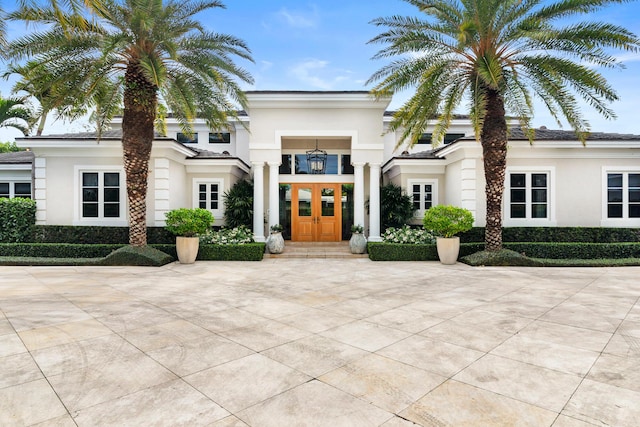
(557, 234)
(246, 252)
(95, 235)
(17, 218)
(379, 251)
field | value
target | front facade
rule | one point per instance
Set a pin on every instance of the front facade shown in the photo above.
(78, 180)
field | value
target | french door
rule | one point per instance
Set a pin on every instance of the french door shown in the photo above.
(316, 212)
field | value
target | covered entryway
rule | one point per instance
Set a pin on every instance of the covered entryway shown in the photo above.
(316, 212)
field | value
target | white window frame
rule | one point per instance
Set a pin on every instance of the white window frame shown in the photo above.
(218, 214)
(434, 194)
(78, 219)
(528, 221)
(12, 186)
(625, 221)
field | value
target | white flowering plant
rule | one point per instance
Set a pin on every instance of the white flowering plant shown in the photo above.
(408, 236)
(228, 236)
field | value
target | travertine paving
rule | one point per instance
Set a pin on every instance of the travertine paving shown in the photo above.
(319, 342)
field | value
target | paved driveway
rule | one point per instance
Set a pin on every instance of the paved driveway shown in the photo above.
(313, 342)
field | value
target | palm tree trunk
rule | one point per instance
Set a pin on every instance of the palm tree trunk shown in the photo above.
(140, 99)
(494, 148)
(41, 122)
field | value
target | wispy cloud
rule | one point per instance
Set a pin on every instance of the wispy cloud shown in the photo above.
(628, 57)
(316, 73)
(299, 19)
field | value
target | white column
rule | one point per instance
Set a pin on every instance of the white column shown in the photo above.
(358, 194)
(258, 201)
(161, 190)
(374, 203)
(274, 194)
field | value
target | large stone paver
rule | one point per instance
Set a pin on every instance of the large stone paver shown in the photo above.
(319, 342)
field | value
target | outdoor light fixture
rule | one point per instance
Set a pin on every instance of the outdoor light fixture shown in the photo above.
(317, 160)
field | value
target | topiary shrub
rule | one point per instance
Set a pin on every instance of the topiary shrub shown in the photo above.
(189, 222)
(238, 205)
(447, 220)
(17, 219)
(503, 257)
(134, 255)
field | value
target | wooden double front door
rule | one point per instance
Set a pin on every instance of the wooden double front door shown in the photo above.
(316, 212)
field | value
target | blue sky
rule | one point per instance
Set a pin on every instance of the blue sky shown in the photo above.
(322, 45)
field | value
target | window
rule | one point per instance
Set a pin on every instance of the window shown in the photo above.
(623, 195)
(187, 138)
(12, 189)
(219, 138)
(207, 194)
(528, 196)
(448, 138)
(296, 164)
(424, 195)
(101, 193)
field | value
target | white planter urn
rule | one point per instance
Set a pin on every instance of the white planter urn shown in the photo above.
(187, 248)
(275, 243)
(358, 243)
(448, 249)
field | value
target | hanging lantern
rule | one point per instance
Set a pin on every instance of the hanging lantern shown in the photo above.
(317, 160)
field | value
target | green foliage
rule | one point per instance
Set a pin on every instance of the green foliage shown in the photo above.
(576, 250)
(17, 218)
(9, 147)
(407, 236)
(189, 222)
(503, 257)
(447, 220)
(15, 114)
(238, 205)
(558, 234)
(228, 236)
(276, 228)
(244, 252)
(136, 255)
(357, 228)
(381, 251)
(396, 206)
(56, 250)
(96, 234)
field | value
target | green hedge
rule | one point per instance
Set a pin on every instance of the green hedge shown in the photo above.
(379, 251)
(577, 250)
(398, 252)
(558, 234)
(244, 252)
(95, 235)
(56, 250)
(17, 218)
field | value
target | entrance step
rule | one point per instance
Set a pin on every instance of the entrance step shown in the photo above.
(316, 250)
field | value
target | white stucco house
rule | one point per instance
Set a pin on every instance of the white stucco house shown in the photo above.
(78, 180)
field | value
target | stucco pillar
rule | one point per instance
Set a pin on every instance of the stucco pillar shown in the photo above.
(274, 194)
(374, 203)
(358, 194)
(258, 201)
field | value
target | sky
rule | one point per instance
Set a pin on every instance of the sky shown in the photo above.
(322, 45)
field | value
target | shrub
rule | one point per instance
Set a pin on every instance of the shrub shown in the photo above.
(132, 255)
(558, 234)
(238, 205)
(396, 206)
(228, 236)
(407, 236)
(96, 234)
(503, 257)
(189, 222)
(244, 252)
(17, 218)
(447, 220)
(381, 251)
(56, 250)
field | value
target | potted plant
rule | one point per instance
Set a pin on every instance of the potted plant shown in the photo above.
(357, 243)
(445, 222)
(187, 224)
(275, 242)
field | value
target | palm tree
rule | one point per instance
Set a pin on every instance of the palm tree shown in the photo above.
(15, 114)
(498, 55)
(157, 54)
